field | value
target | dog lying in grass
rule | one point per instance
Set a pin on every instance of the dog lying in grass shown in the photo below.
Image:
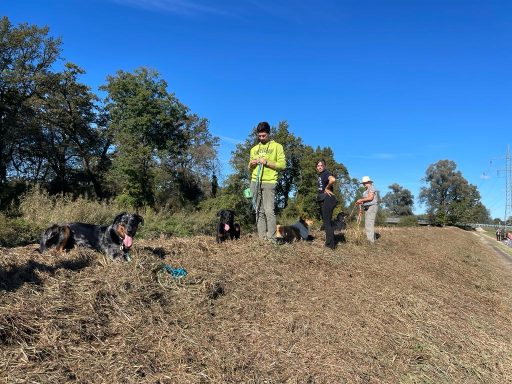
(115, 240)
(227, 228)
(295, 232)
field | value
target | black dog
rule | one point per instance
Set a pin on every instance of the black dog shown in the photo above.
(227, 228)
(115, 240)
(295, 232)
(339, 223)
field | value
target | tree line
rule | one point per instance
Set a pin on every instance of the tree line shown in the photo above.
(140, 146)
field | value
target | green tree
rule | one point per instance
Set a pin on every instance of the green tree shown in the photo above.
(287, 181)
(159, 147)
(469, 209)
(26, 56)
(293, 147)
(184, 177)
(399, 202)
(306, 185)
(449, 198)
(297, 185)
(68, 148)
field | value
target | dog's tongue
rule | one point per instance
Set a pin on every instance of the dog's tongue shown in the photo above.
(127, 241)
(226, 227)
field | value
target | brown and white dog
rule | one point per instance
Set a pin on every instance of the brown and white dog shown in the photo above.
(115, 239)
(295, 232)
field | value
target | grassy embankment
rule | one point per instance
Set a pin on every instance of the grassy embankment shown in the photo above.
(425, 305)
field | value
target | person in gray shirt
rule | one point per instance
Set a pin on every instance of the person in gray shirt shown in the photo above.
(370, 203)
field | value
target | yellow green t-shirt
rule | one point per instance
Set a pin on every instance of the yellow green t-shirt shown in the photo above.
(272, 152)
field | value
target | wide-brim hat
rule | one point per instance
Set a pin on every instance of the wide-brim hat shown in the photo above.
(366, 179)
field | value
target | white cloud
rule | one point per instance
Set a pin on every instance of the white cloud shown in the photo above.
(230, 140)
(183, 7)
(230, 8)
(384, 156)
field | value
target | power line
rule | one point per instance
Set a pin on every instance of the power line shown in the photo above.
(488, 186)
(508, 186)
(508, 204)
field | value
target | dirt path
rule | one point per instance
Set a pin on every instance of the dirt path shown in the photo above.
(506, 257)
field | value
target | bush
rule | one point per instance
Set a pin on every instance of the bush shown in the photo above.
(178, 224)
(41, 209)
(408, 221)
(38, 210)
(238, 203)
(15, 232)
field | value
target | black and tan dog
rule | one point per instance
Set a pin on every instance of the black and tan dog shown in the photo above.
(115, 239)
(339, 223)
(295, 232)
(227, 228)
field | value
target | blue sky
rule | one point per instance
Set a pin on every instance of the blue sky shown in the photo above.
(390, 86)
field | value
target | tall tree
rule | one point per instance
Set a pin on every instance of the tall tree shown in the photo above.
(399, 202)
(154, 133)
(26, 56)
(306, 184)
(184, 177)
(68, 146)
(287, 180)
(449, 198)
(296, 188)
(292, 146)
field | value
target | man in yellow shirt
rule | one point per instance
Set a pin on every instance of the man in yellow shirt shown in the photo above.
(266, 159)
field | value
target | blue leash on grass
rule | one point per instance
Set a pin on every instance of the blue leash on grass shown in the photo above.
(177, 273)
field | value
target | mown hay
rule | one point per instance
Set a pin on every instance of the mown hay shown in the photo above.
(422, 305)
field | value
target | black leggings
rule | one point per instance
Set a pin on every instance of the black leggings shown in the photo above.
(327, 207)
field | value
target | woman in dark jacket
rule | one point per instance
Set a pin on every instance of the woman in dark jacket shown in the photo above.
(327, 201)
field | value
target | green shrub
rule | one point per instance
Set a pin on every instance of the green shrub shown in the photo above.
(41, 209)
(15, 232)
(242, 206)
(408, 221)
(181, 224)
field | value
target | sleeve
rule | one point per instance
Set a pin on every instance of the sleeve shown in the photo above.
(280, 158)
(251, 156)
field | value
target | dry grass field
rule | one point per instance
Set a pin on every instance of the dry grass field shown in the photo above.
(424, 305)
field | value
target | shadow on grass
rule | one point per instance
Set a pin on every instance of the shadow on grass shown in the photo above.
(158, 252)
(13, 276)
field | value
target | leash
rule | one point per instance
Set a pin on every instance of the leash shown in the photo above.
(352, 212)
(177, 273)
(258, 183)
(359, 214)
